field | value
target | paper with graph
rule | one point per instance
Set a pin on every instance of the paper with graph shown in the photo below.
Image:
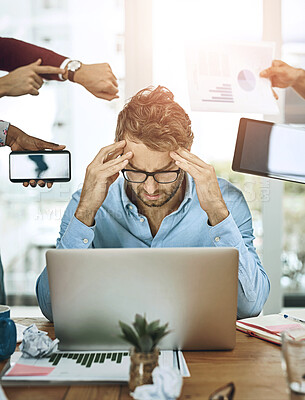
(106, 366)
(225, 77)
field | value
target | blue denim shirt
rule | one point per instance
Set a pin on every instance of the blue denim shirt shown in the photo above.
(119, 224)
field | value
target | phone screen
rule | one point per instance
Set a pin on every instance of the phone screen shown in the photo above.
(45, 165)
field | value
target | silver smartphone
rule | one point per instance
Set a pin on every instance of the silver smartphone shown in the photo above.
(46, 165)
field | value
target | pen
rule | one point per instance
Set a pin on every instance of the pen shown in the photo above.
(294, 318)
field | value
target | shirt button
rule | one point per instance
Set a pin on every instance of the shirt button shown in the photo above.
(142, 219)
(85, 241)
(130, 207)
(217, 239)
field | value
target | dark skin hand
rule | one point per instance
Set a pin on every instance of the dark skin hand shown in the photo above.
(18, 140)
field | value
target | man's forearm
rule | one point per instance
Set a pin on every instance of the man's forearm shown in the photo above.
(216, 211)
(217, 215)
(85, 215)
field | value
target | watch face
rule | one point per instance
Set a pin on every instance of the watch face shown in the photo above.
(74, 65)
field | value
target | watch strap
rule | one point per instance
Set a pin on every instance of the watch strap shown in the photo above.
(71, 75)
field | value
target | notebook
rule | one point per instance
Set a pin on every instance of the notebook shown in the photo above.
(270, 327)
(74, 367)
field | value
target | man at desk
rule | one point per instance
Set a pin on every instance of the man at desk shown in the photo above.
(167, 197)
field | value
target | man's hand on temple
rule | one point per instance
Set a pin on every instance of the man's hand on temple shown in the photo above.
(26, 80)
(283, 75)
(208, 190)
(98, 79)
(18, 140)
(100, 174)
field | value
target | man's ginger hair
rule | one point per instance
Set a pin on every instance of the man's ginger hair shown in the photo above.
(153, 118)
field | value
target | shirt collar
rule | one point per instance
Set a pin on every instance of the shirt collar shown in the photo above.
(188, 195)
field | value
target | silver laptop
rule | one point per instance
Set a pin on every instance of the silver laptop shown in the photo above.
(193, 289)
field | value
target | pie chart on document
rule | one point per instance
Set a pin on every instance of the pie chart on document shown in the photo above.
(246, 80)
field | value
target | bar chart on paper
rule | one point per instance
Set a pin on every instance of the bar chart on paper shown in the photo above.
(225, 77)
(107, 366)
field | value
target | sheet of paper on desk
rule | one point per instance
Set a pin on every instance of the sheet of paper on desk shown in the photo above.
(225, 77)
(108, 366)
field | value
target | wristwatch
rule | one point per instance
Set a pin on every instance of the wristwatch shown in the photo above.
(72, 67)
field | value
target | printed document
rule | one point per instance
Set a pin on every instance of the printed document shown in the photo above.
(225, 77)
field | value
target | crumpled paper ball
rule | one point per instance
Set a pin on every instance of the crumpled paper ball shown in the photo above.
(167, 385)
(37, 344)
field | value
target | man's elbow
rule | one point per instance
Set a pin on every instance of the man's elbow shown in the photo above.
(252, 308)
(43, 299)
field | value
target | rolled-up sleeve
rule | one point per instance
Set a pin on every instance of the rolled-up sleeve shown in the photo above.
(73, 235)
(236, 231)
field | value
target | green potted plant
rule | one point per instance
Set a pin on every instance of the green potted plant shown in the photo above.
(144, 338)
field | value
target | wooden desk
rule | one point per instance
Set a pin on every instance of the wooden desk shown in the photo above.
(254, 366)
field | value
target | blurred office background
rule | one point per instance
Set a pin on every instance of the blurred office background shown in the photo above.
(143, 41)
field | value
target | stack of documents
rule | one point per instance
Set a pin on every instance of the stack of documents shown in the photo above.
(270, 327)
(75, 367)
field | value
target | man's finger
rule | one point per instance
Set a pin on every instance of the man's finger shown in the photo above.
(109, 89)
(48, 69)
(114, 80)
(116, 161)
(34, 92)
(49, 185)
(43, 145)
(190, 157)
(265, 73)
(38, 79)
(190, 169)
(102, 154)
(106, 96)
(277, 63)
(114, 168)
(269, 72)
(33, 183)
(36, 85)
(112, 74)
(41, 183)
(36, 63)
(114, 154)
(195, 167)
(25, 184)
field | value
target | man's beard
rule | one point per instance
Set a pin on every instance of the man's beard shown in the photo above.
(166, 195)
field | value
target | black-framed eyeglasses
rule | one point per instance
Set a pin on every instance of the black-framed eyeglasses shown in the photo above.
(134, 176)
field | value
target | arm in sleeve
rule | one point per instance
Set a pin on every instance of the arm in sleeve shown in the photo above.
(236, 231)
(16, 53)
(73, 235)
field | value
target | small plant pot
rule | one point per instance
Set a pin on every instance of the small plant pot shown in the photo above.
(141, 368)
